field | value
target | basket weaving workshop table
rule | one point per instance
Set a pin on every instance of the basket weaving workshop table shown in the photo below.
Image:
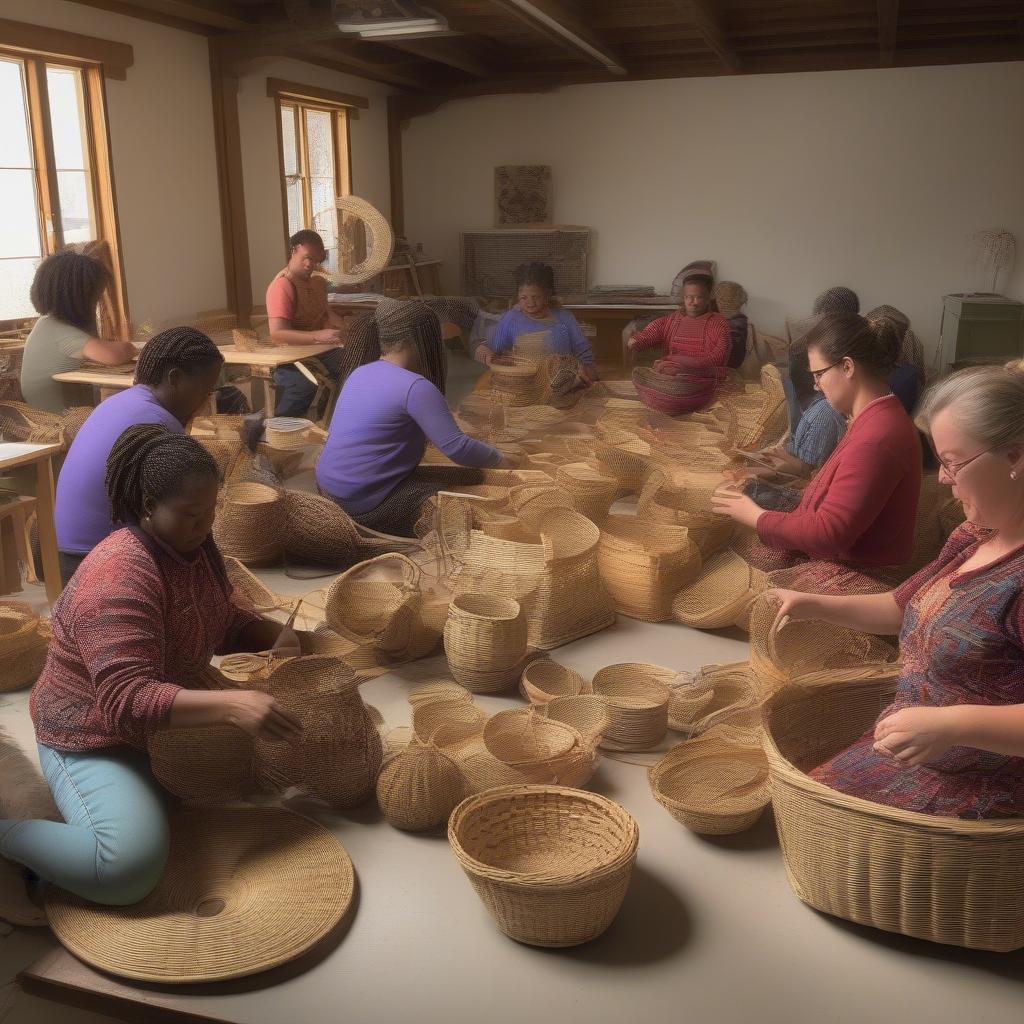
(14, 454)
(710, 932)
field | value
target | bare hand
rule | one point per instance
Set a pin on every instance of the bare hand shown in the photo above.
(259, 715)
(916, 735)
(328, 336)
(287, 644)
(794, 606)
(729, 501)
(483, 355)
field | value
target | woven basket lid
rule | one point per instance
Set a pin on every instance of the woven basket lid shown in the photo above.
(244, 890)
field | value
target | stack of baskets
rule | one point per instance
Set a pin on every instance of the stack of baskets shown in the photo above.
(637, 697)
(517, 381)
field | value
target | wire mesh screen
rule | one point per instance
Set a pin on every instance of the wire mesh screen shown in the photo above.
(490, 257)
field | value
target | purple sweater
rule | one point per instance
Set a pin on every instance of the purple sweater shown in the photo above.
(379, 432)
(566, 336)
(83, 511)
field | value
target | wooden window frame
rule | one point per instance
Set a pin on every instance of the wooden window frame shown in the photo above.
(343, 107)
(92, 66)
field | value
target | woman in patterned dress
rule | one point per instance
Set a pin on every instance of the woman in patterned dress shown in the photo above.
(952, 742)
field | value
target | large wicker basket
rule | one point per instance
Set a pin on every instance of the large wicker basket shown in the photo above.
(943, 879)
(485, 642)
(251, 523)
(550, 864)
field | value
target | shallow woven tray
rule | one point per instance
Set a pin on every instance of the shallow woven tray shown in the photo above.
(715, 784)
(550, 864)
(544, 680)
(243, 891)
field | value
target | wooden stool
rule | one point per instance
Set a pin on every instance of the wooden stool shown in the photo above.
(16, 544)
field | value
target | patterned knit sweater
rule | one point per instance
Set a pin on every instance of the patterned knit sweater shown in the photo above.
(136, 623)
(696, 340)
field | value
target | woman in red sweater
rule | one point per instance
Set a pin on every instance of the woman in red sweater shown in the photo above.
(860, 507)
(132, 634)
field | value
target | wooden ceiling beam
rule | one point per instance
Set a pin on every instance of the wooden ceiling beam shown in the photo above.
(706, 19)
(454, 54)
(888, 20)
(556, 22)
(201, 16)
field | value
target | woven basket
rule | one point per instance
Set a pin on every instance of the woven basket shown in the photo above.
(637, 697)
(339, 754)
(550, 864)
(517, 381)
(243, 890)
(721, 595)
(224, 450)
(544, 680)
(590, 491)
(283, 464)
(644, 565)
(251, 523)
(943, 879)
(251, 591)
(204, 766)
(321, 533)
(685, 500)
(21, 422)
(24, 639)
(447, 722)
(773, 417)
(419, 787)
(716, 695)
(485, 642)
(287, 433)
(521, 737)
(715, 785)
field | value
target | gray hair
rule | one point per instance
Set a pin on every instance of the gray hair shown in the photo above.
(989, 402)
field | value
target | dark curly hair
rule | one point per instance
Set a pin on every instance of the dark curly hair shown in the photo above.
(536, 273)
(68, 286)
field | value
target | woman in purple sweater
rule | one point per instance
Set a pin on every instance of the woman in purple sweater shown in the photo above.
(386, 413)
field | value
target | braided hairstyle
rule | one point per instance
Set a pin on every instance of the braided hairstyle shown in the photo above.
(148, 461)
(178, 348)
(68, 285)
(398, 322)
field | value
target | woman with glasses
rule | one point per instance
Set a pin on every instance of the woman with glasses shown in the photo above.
(952, 742)
(860, 507)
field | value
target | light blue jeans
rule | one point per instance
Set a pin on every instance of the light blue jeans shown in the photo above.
(112, 846)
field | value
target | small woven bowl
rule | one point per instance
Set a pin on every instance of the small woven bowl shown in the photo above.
(550, 864)
(544, 679)
(637, 696)
(715, 784)
(521, 737)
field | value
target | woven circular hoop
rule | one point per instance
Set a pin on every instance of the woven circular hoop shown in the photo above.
(544, 680)
(637, 696)
(382, 239)
(485, 642)
(23, 645)
(251, 523)
(969, 894)
(715, 785)
(243, 891)
(550, 864)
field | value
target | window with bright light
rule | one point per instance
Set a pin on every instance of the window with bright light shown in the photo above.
(54, 178)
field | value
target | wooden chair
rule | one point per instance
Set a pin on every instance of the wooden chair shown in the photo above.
(16, 518)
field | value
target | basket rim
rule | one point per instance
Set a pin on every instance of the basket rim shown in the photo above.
(511, 606)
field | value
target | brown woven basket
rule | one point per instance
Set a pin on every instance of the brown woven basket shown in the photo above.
(550, 864)
(685, 500)
(521, 737)
(251, 523)
(320, 532)
(24, 639)
(716, 695)
(419, 787)
(719, 596)
(517, 381)
(543, 680)
(251, 591)
(943, 879)
(716, 784)
(205, 766)
(590, 491)
(485, 642)
(637, 696)
(644, 565)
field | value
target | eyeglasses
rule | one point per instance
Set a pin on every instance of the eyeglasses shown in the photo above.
(953, 468)
(818, 374)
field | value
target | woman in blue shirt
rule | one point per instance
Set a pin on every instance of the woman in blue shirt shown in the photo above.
(535, 312)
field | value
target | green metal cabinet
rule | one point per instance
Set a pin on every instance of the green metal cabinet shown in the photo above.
(981, 328)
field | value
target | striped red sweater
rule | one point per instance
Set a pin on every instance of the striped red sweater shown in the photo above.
(135, 624)
(697, 340)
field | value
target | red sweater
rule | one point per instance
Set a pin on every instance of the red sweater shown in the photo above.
(861, 505)
(698, 340)
(134, 625)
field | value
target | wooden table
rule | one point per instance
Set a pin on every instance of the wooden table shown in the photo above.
(608, 320)
(14, 454)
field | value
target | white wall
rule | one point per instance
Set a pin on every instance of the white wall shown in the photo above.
(165, 170)
(874, 179)
(261, 166)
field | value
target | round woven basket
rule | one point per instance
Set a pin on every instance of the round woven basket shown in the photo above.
(544, 680)
(637, 696)
(644, 565)
(419, 787)
(485, 642)
(716, 784)
(379, 237)
(587, 713)
(251, 523)
(517, 381)
(520, 736)
(719, 595)
(320, 532)
(550, 864)
(204, 766)
(243, 890)
(24, 639)
(590, 491)
(716, 695)
(287, 433)
(943, 879)
(447, 721)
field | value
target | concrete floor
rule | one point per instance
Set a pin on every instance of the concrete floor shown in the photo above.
(710, 930)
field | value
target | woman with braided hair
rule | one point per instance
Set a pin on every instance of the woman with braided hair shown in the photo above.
(386, 412)
(175, 375)
(133, 634)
